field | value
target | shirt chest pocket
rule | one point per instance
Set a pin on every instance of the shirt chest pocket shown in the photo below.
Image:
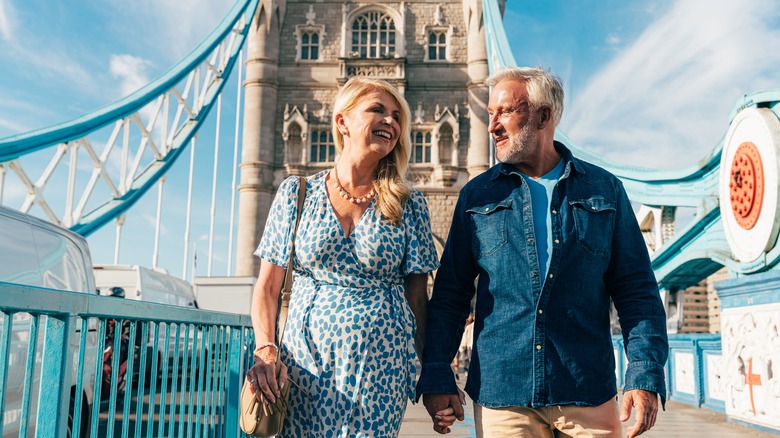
(490, 225)
(594, 221)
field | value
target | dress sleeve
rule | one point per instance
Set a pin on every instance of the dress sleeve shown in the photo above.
(420, 257)
(277, 236)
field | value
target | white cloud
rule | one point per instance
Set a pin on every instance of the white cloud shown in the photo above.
(612, 39)
(672, 89)
(6, 20)
(131, 71)
(180, 25)
(49, 63)
(10, 124)
(14, 192)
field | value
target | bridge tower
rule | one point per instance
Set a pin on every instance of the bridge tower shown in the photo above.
(434, 52)
(260, 88)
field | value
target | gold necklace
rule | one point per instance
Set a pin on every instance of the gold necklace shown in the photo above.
(348, 196)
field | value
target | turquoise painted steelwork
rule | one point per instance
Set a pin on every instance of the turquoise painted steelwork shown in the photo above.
(701, 248)
(16, 146)
(28, 379)
(207, 353)
(78, 396)
(5, 343)
(705, 349)
(54, 371)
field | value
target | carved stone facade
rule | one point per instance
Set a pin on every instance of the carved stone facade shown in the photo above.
(301, 52)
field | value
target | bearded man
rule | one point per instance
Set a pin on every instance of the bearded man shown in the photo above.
(552, 240)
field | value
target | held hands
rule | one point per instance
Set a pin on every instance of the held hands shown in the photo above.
(444, 409)
(646, 404)
(262, 376)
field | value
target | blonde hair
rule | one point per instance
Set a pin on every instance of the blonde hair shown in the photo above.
(390, 183)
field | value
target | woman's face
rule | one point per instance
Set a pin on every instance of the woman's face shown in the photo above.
(373, 125)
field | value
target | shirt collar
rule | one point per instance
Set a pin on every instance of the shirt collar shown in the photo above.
(570, 161)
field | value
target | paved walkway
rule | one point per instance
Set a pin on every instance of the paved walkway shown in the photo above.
(678, 421)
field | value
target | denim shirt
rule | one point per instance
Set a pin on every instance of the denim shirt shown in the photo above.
(545, 341)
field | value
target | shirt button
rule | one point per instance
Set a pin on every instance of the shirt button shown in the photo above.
(551, 276)
(557, 241)
(554, 212)
(540, 311)
(592, 208)
(538, 347)
(530, 240)
(487, 208)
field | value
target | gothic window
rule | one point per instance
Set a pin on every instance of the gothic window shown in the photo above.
(294, 146)
(421, 147)
(310, 46)
(373, 35)
(445, 144)
(308, 38)
(437, 46)
(323, 149)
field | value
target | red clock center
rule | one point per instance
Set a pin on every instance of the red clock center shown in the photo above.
(746, 185)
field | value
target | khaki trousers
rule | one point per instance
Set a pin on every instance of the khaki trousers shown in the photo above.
(550, 421)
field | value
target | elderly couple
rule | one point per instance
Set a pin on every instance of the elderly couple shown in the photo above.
(550, 239)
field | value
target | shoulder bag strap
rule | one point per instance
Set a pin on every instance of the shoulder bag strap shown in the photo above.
(284, 299)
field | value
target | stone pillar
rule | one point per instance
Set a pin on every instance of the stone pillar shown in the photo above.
(260, 89)
(478, 159)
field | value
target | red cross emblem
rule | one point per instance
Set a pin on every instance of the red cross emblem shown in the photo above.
(751, 380)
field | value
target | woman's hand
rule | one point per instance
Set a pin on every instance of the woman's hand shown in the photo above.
(262, 376)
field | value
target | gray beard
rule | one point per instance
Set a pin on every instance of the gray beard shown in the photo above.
(520, 148)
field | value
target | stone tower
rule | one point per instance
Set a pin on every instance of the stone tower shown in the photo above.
(301, 52)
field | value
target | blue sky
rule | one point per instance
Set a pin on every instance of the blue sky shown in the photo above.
(648, 82)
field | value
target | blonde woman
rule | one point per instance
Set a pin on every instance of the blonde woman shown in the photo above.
(362, 254)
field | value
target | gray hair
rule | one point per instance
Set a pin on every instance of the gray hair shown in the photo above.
(543, 86)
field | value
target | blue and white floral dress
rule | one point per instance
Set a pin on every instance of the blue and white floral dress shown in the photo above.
(349, 339)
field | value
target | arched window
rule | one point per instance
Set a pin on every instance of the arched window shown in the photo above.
(294, 148)
(445, 144)
(373, 35)
(323, 149)
(437, 46)
(310, 46)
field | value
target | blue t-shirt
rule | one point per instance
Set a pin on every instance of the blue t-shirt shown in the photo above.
(541, 196)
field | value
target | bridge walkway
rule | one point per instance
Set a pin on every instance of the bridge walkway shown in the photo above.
(679, 420)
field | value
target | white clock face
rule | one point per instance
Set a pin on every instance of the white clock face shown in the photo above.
(749, 183)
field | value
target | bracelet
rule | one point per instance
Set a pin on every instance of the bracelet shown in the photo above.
(266, 344)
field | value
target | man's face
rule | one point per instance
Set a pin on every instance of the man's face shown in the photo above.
(511, 122)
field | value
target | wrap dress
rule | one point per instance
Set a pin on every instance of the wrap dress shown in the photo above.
(349, 339)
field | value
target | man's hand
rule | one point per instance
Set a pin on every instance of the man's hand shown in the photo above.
(444, 409)
(646, 404)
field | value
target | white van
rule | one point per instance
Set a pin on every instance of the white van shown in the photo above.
(152, 285)
(144, 284)
(37, 253)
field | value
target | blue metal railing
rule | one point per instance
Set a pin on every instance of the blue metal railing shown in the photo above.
(166, 371)
(687, 378)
